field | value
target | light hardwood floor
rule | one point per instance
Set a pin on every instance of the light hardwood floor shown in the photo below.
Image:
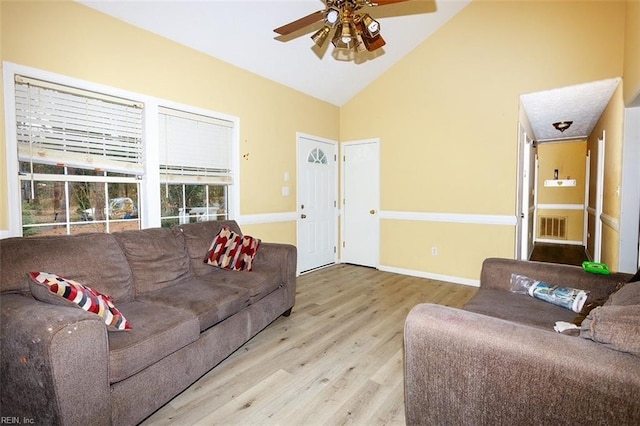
(338, 359)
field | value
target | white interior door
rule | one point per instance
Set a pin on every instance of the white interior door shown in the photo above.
(587, 184)
(317, 202)
(361, 202)
(526, 190)
(597, 250)
(628, 251)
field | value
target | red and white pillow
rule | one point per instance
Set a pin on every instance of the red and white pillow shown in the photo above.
(54, 289)
(233, 251)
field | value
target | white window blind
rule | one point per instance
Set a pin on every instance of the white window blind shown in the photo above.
(57, 124)
(194, 148)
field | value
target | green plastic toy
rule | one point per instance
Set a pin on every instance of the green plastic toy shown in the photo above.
(595, 267)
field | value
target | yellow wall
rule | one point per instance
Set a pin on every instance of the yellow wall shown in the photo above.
(611, 124)
(73, 40)
(407, 245)
(632, 53)
(447, 113)
(569, 159)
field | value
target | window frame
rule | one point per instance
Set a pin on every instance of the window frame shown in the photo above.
(149, 196)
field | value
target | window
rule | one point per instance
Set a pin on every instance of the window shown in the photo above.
(317, 156)
(195, 166)
(79, 155)
(84, 157)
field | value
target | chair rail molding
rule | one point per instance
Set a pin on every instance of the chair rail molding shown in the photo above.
(480, 219)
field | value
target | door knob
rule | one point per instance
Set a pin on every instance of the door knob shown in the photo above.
(303, 216)
(372, 211)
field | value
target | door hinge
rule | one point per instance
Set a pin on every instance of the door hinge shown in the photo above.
(335, 203)
(335, 157)
(335, 249)
(343, 244)
(344, 158)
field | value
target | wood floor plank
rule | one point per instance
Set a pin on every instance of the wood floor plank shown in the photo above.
(337, 360)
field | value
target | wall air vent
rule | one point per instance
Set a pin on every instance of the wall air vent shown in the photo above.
(553, 227)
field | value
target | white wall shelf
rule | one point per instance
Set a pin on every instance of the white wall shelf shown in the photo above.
(559, 183)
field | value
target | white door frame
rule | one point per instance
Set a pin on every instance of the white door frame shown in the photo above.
(299, 136)
(597, 241)
(535, 199)
(587, 183)
(523, 210)
(375, 239)
(629, 251)
(520, 193)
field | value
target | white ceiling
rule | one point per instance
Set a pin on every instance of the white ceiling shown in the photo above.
(583, 104)
(241, 33)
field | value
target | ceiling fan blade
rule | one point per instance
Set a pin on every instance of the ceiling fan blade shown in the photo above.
(300, 23)
(385, 2)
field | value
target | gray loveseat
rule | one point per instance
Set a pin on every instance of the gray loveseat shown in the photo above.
(498, 361)
(60, 364)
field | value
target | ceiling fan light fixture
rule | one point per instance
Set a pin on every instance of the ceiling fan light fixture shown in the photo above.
(320, 36)
(360, 46)
(345, 36)
(332, 16)
(371, 25)
(562, 125)
(345, 22)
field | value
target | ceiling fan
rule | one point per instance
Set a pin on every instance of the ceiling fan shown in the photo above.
(353, 29)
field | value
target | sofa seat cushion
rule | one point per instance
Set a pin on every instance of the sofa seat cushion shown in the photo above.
(258, 284)
(208, 301)
(159, 331)
(519, 308)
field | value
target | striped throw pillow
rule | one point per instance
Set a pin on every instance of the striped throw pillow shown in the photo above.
(233, 251)
(54, 289)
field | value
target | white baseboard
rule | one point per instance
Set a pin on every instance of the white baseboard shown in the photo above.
(567, 242)
(422, 274)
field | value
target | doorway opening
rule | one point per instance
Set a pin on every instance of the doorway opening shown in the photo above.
(580, 108)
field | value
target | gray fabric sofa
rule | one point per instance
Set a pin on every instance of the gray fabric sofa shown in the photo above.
(60, 365)
(498, 361)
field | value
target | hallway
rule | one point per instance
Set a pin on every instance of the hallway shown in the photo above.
(569, 254)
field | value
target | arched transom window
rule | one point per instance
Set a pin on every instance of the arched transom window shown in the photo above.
(317, 156)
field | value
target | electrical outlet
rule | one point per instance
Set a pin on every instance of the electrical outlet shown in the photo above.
(434, 251)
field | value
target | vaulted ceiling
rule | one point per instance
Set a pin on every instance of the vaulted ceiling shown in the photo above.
(241, 33)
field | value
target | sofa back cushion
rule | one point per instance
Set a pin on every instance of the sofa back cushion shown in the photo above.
(94, 259)
(629, 294)
(157, 257)
(198, 237)
(496, 273)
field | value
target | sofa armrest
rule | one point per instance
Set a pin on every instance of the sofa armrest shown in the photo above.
(54, 363)
(496, 274)
(284, 257)
(466, 368)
